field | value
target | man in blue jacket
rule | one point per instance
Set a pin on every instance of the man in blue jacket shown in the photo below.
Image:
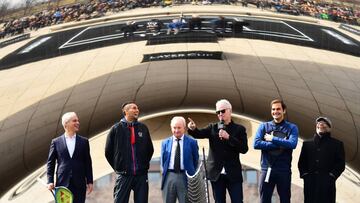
(276, 139)
(179, 154)
(71, 154)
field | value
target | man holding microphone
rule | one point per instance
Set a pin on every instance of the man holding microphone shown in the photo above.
(226, 140)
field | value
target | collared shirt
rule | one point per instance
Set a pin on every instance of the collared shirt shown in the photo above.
(173, 149)
(223, 171)
(70, 144)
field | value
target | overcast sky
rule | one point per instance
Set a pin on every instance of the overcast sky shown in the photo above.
(17, 3)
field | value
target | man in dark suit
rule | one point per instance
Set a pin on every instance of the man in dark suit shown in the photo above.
(71, 153)
(179, 154)
(227, 140)
(321, 162)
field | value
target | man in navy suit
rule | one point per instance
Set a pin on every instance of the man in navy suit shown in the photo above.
(179, 154)
(71, 152)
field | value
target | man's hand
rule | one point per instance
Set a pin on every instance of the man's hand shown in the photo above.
(269, 137)
(191, 125)
(89, 188)
(50, 186)
(223, 134)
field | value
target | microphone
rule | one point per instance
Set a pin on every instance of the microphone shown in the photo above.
(221, 125)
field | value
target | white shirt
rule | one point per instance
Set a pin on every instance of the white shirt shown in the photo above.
(70, 144)
(173, 150)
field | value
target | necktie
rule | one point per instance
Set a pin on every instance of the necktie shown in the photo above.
(177, 157)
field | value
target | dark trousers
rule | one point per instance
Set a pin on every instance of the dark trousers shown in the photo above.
(124, 184)
(319, 188)
(234, 188)
(79, 193)
(282, 181)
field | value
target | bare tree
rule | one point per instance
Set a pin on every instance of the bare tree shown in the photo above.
(53, 3)
(28, 5)
(4, 8)
(49, 3)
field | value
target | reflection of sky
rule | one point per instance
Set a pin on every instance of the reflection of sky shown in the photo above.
(18, 3)
(154, 177)
(103, 181)
(251, 177)
(15, 3)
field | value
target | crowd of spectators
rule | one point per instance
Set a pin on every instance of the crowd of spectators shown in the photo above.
(322, 10)
(99, 8)
(68, 13)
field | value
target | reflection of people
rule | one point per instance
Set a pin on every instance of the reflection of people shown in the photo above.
(129, 150)
(219, 23)
(227, 140)
(276, 139)
(321, 162)
(129, 28)
(195, 22)
(154, 26)
(176, 25)
(179, 154)
(71, 154)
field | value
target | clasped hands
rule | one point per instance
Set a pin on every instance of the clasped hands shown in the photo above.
(269, 137)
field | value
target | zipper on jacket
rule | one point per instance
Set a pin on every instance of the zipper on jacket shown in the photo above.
(133, 157)
(132, 142)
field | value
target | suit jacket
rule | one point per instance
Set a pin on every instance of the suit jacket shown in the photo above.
(224, 153)
(79, 167)
(190, 156)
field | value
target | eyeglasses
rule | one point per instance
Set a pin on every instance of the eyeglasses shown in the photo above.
(220, 111)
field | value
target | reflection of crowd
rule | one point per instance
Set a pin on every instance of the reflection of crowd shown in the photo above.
(315, 9)
(69, 13)
(98, 8)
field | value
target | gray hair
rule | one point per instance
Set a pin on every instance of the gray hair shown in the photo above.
(224, 102)
(178, 118)
(66, 117)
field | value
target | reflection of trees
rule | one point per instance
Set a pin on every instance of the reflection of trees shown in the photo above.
(28, 6)
(4, 6)
(56, 3)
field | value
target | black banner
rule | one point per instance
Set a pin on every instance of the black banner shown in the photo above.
(14, 40)
(216, 55)
(350, 29)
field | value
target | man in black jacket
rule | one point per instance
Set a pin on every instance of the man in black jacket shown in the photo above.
(129, 150)
(227, 140)
(321, 162)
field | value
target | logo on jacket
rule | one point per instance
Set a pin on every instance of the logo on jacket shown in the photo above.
(140, 134)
